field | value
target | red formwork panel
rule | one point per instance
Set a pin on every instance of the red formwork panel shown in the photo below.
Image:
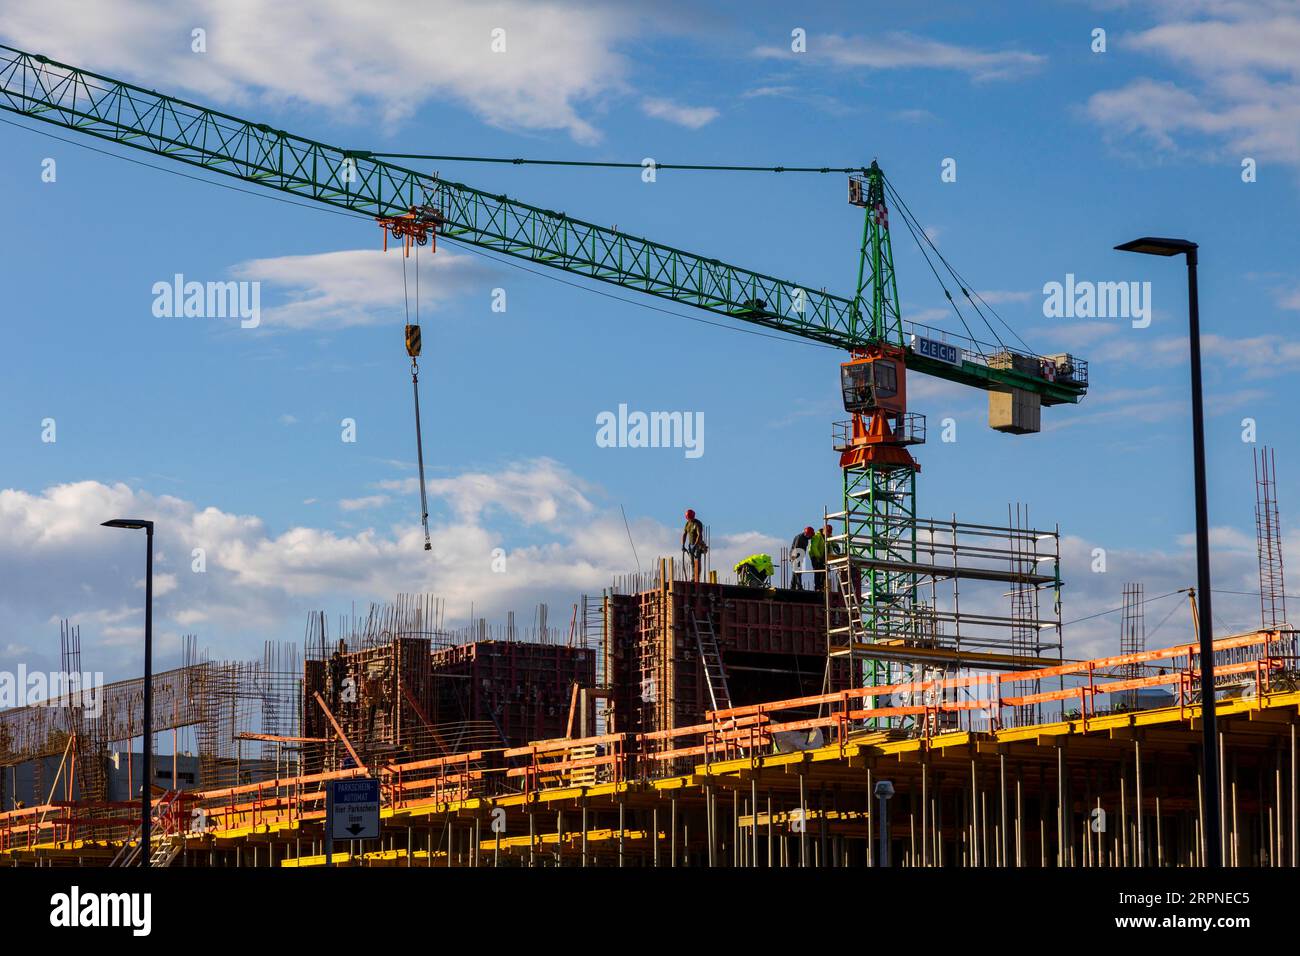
(772, 641)
(523, 689)
(795, 623)
(370, 696)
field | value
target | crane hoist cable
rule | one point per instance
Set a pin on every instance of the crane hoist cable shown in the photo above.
(951, 301)
(412, 335)
(922, 240)
(961, 280)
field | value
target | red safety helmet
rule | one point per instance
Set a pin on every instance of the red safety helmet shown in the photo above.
(690, 514)
(808, 531)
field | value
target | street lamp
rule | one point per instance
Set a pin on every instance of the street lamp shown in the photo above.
(146, 834)
(884, 790)
(1154, 246)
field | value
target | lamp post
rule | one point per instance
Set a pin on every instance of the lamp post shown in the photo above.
(146, 804)
(1155, 246)
(884, 792)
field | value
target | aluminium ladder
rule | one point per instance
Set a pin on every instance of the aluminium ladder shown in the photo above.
(706, 640)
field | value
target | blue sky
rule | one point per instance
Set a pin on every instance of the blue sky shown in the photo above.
(230, 437)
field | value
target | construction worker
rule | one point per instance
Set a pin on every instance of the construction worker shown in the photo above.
(693, 543)
(376, 690)
(754, 571)
(799, 551)
(817, 557)
(337, 673)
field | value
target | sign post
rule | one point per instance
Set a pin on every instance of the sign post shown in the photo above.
(351, 812)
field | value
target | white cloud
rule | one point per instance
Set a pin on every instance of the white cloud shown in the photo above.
(1243, 92)
(367, 503)
(932, 391)
(536, 492)
(900, 51)
(1246, 40)
(1234, 567)
(352, 59)
(692, 117)
(1259, 356)
(360, 286)
(558, 538)
(1225, 539)
(801, 95)
(1003, 296)
(914, 116)
(162, 584)
(1116, 343)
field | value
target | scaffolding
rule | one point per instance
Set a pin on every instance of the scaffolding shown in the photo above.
(933, 608)
(1026, 624)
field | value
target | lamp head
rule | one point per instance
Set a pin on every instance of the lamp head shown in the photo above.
(134, 524)
(1157, 246)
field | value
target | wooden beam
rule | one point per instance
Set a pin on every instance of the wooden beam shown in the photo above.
(339, 730)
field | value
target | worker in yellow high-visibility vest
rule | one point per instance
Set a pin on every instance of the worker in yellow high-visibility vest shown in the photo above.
(754, 571)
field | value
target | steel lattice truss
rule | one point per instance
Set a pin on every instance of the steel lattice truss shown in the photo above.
(355, 180)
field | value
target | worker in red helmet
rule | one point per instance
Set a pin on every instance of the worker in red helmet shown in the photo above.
(817, 556)
(798, 552)
(693, 544)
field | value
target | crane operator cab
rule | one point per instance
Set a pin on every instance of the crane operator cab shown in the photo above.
(873, 384)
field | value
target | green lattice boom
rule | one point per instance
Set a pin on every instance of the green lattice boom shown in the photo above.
(130, 115)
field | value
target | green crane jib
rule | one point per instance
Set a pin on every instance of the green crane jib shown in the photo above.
(119, 112)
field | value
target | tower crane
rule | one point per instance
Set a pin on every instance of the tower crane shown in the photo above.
(879, 470)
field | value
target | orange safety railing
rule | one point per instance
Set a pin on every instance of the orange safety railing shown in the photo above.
(741, 732)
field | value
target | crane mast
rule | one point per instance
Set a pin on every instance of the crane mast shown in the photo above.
(877, 526)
